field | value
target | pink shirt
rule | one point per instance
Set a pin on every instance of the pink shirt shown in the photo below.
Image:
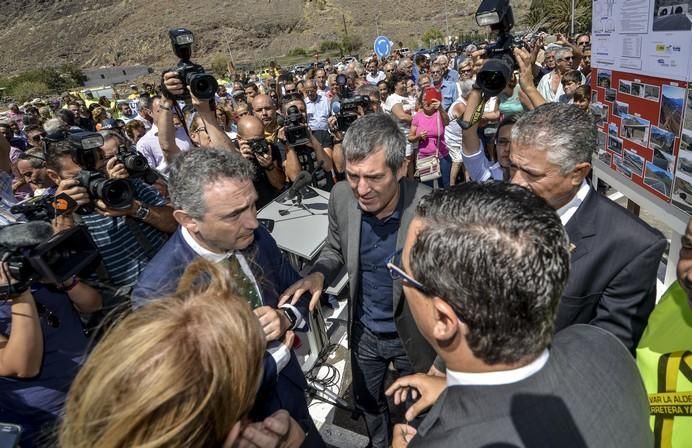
(436, 134)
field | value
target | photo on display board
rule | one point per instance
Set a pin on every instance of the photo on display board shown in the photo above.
(605, 157)
(612, 129)
(635, 128)
(615, 144)
(662, 140)
(651, 92)
(637, 89)
(688, 110)
(672, 104)
(682, 193)
(686, 140)
(604, 78)
(600, 139)
(594, 96)
(625, 86)
(672, 15)
(682, 188)
(610, 95)
(658, 178)
(633, 162)
(620, 108)
(600, 113)
(620, 166)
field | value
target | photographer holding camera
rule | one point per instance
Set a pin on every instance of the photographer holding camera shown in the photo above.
(303, 151)
(128, 220)
(42, 340)
(269, 178)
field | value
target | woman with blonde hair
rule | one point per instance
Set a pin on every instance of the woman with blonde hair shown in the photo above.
(178, 372)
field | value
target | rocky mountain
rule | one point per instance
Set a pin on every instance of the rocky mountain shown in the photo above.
(39, 33)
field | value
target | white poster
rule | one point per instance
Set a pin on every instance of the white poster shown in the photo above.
(646, 37)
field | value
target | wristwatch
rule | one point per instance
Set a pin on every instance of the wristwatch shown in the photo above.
(291, 316)
(142, 212)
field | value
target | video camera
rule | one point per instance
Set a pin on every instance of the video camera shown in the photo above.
(202, 85)
(497, 71)
(33, 253)
(348, 111)
(136, 165)
(36, 208)
(295, 128)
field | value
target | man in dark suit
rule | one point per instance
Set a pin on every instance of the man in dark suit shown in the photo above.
(490, 316)
(214, 200)
(614, 254)
(368, 217)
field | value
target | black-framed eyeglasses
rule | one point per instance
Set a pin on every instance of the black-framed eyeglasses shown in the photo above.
(397, 273)
(567, 58)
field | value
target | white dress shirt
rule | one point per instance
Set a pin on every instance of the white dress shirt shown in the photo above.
(455, 378)
(150, 147)
(280, 353)
(568, 210)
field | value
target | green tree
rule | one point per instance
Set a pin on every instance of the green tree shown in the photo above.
(432, 36)
(26, 90)
(556, 15)
(219, 64)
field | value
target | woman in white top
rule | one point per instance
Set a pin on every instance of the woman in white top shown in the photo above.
(453, 130)
(399, 105)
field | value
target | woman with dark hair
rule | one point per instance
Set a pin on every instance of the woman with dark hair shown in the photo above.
(399, 105)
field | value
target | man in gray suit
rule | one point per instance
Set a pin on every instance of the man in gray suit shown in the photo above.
(489, 313)
(369, 215)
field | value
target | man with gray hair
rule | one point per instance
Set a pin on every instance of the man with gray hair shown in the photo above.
(214, 200)
(369, 214)
(144, 111)
(614, 254)
(550, 85)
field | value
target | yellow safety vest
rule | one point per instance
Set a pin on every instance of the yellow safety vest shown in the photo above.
(664, 358)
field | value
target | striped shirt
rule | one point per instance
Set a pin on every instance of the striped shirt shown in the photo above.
(123, 256)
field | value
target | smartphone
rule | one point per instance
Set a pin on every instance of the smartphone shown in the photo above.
(9, 435)
(430, 94)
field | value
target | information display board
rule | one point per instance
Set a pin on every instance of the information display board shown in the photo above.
(640, 93)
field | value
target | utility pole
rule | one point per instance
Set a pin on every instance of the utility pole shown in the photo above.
(447, 22)
(343, 18)
(571, 33)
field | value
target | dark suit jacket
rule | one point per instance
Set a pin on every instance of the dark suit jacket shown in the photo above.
(274, 274)
(343, 247)
(588, 394)
(614, 262)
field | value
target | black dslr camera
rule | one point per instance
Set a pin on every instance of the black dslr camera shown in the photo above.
(498, 70)
(115, 193)
(259, 146)
(86, 147)
(202, 85)
(348, 111)
(136, 165)
(33, 253)
(295, 127)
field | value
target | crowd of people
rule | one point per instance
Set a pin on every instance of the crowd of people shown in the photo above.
(509, 296)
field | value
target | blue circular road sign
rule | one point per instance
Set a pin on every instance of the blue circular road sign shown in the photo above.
(382, 47)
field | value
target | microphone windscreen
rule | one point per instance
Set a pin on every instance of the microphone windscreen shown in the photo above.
(28, 234)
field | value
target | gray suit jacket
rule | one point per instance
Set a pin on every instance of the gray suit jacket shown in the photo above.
(343, 247)
(588, 394)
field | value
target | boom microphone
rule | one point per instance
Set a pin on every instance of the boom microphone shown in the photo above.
(17, 236)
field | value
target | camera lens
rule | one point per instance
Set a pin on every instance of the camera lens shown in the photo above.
(493, 77)
(203, 86)
(116, 193)
(135, 162)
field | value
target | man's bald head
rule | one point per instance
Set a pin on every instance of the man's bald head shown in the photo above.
(264, 109)
(250, 127)
(311, 89)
